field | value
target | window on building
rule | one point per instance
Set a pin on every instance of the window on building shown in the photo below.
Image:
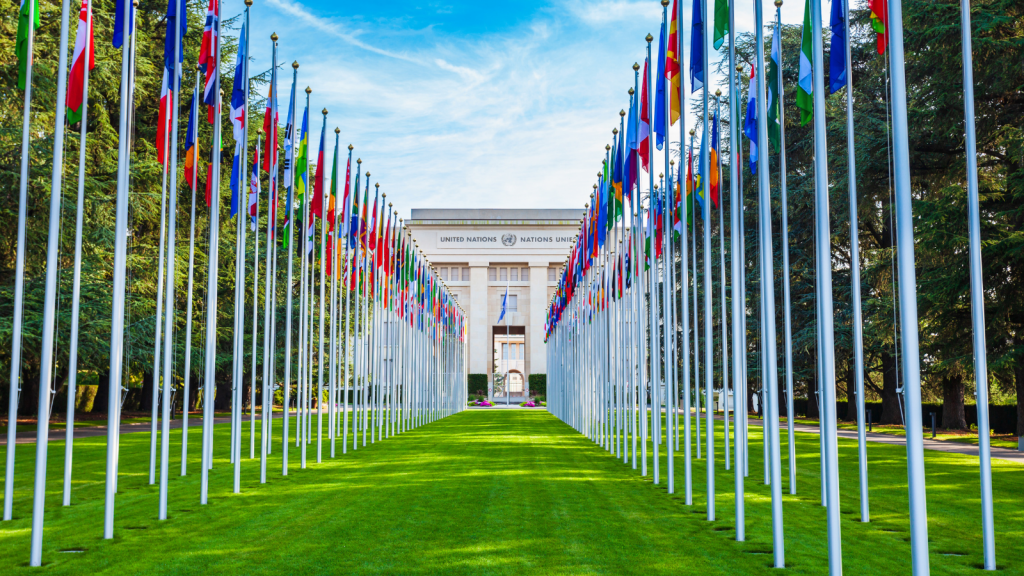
(492, 274)
(444, 274)
(512, 356)
(551, 274)
(513, 303)
(522, 351)
(503, 274)
(504, 350)
(524, 274)
(465, 274)
(513, 274)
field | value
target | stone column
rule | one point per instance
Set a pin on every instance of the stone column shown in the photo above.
(480, 354)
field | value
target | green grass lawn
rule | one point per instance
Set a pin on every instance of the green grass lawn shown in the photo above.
(492, 492)
(961, 436)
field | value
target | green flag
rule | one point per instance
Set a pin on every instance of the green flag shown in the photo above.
(721, 22)
(21, 45)
(774, 92)
(806, 84)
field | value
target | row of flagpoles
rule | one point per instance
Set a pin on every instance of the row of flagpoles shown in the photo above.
(616, 300)
(376, 326)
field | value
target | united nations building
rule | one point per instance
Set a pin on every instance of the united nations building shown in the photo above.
(480, 253)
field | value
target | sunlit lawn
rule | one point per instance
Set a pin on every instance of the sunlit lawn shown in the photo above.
(491, 492)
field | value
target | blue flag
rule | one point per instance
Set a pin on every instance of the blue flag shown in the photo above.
(169, 38)
(236, 174)
(837, 52)
(630, 175)
(697, 48)
(750, 122)
(119, 22)
(504, 302)
(659, 102)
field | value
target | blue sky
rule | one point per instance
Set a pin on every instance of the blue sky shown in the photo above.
(471, 104)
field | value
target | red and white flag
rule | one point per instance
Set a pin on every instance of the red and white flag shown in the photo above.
(254, 190)
(163, 118)
(76, 81)
(208, 57)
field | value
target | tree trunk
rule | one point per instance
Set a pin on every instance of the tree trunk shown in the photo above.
(953, 416)
(892, 408)
(100, 401)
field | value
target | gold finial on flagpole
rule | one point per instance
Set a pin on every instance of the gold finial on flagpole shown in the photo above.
(649, 38)
(636, 67)
(295, 64)
(350, 147)
(309, 90)
(273, 35)
(337, 130)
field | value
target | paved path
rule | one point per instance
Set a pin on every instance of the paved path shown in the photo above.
(929, 444)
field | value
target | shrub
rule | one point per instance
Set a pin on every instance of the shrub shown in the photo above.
(477, 383)
(538, 384)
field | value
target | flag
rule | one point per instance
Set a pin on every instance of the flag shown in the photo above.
(805, 87)
(631, 175)
(254, 191)
(270, 122)
(208, 51)
(602, 212)
(169, 49)
(363, 216)
(371, 241)
(660, 126)
(617, 175)
(699, 180)
(238, 91)
(697, 48)
(837, 49)
(162, 128)
(317, 204)
(237, 168)
(689, 186)
(301, 159)
(504, 304)
(76, 79)
(677, 221)
(672, 67)
(750, 122)
(774, 92)
(879, 22)
(289, 137)
(713, 161)
(118, 39)
(345, 204)
(190, 141)
(645, 123)
(354, 221)
(21, 44)
(721, 22)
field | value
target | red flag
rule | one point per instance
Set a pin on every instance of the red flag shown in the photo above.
(76, 81)
(645, 123)
(163, 118)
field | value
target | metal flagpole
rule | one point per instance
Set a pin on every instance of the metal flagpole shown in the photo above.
(291, 287)
(977, 294)
(155, 399)
(683, 270)
(46, 362)
(268, 316)
(709, 362)
(823, 246)
(335, 272)
(69, 428)
(191, 269)
(770, 374)
(738, 282)
(117, 312)
(787, 317)
(320, 173)
(655, 376)
(19, 268)
(172, 211)
(721, 269)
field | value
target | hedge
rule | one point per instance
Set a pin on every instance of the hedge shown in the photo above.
(477, 382)
(538, 384)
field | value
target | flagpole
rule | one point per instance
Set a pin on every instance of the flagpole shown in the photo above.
(117, 312)
(335, 272)
(709, 362)
(46, 363)
(191, 270)
(683, 270)
(165, 433)
(266, 415)
(721, 270)
(977, 293)
(155, 399)
(19, 274)
(291, 287)
(855, 294)
(770, 377)
(69, 428)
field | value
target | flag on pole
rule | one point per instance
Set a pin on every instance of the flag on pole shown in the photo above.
(617, 176)
(879, 22)
(750, 122)
(172, 19)
(208, 57)
(254, 191)
(697, 48)
(301, 159)
(162, 119)
(837, 49)
(237, 167)
(118, 39)
(713, 161)
(318, 183)
(645, 122)
(805, 87)
(190, 141)
(677, 220)
(355, 224)
(331, 211)
(238, 90)
(84, 51)
(721, 22)
(689, 187)
(699, 179)
(504, 304)
(270, 121)
(630, 169)
(346, 206)
(774, 92)
(660, 126)
(672, 66)
(371, 241)
(289, 138)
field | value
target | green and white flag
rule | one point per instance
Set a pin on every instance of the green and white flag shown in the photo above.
(21, 46)
(806, 85)
(721, 22)
(774, 92)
